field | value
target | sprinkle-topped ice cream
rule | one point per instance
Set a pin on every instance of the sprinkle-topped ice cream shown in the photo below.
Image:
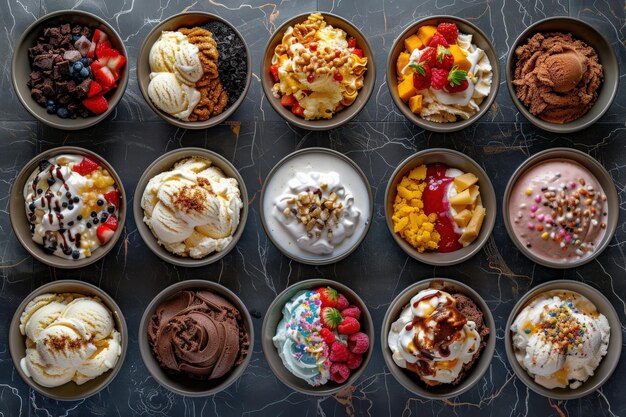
(558, 210)
(560, 339)
(319, 338)
(438, 336)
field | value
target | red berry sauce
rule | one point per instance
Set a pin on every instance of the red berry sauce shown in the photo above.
(435, 198)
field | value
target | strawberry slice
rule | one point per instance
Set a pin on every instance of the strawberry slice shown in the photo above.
(94, 89)
(102, 48)
(104, 234)
(105, 77)
(95, 66)
(358, 52)
(92, 50)
(86, 166)
(298, 110)
(96, 105)
(288, 100)
(274, 72)
(113, 197)
(111, 222)
(104, 55)
(99, 36)
(116, 63)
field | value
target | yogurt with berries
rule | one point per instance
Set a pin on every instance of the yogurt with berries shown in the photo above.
(72, 205)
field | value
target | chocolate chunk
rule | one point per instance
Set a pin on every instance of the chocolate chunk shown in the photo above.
(66, 41)
(64, 99)
(86, 32)
(71, 87)
(65, 29)
(44, 61)
(48, 87)
(72, 108)
(51, 32)
(83, 88)
(63, 68)
(38, 96)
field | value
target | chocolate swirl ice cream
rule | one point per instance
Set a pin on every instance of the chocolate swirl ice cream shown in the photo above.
(198, 334)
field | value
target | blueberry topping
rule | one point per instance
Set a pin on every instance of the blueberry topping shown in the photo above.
(76, 199)
(39, 191)
(68, 194)
(111, 209)
(51, 180)
(31, 206)
(70, 206)
(79, 218)
(70, 224)
(84, 72)
(100, 202)
(43, 165)
(96, 221)
(84, 61)
(88, 225)
(62, 113)
(75, 37)
(75, 254)
(77, 66)
(64, 204)
(94, 214)
(104, 216)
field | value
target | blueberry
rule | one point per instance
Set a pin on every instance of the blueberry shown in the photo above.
(104, 216)
(62, 113)
(84, 61)
(64, 204)
(100, 202)
(77, 66)
(51, 109)
(70, 207)
(76, 199)
(75, 254)
(70, 224)
(75, 37)
(31, 206)
(111, 209)
(79, 217)
(95, 221)
(84, 72)
(88, 225)
(39, 191)
(50, 103)
(51, 181)
(94, 214)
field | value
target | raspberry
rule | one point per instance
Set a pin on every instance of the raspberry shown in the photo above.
(349, 325)
(328, 336)
(428, 56)
(339, 373)
(354, 360)
(439, 78)
(342, 302)
(358, 343)
(421, 76)
(438, 39)
(449, 31)
(338, 352)
(351, 311)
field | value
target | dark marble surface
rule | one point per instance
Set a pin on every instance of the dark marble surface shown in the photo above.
(255, 139)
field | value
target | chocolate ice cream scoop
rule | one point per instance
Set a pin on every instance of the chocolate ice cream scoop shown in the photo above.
(199, 334)
(564, 71)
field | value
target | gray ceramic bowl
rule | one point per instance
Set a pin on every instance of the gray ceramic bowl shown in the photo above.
(607, 365)
(21, 69)
(21, 227)
(479, 38)
(275, 314)
(598, 171)
(164, 163)
(591, 37)
(284, 246)
(453, 159)
(340, 118)
(180, 384)
(70, 391)
(186, 19)
(411, 381)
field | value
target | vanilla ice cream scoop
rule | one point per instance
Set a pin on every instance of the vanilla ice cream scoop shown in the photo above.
(173, 52)
(560, 339)
(193, 209)
(69, 337)
(170, 95)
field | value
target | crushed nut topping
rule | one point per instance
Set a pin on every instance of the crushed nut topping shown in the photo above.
(315, 210)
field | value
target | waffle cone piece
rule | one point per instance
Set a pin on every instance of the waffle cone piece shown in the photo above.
(213, 97)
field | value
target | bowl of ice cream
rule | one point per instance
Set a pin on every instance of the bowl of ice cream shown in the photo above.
(440, 206)
(69, 69)
(318, 337)
(438, 338)
(562, 74)
(318, 71)
(68, 207)
(316, 206)
(68, 340)
(194, 69)
(561, 208)
(563, 339)
(191, 206)
(196, 338)
(443, 73)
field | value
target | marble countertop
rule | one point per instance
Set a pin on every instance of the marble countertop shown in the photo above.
(254, 139)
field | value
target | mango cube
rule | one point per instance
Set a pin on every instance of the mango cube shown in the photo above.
(460, 58)
(401, 63)
(412, 42)
(461, 199)
(463, 218)
(415, 103)
(406, 89)
(473, 227)
(464, 181)
(425, 34)
(474, 194)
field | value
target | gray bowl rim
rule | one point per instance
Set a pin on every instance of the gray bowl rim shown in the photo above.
(146, 234)
(35, 249)
(144, 52)
(616, 338)
(459, 124)
(337, 120)
(270, 349)
(145, 350)
(479, 368)
(477, 245)
(548, 126)
(109, 302)
(52, 119)
(262, 213)
(612, 199)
